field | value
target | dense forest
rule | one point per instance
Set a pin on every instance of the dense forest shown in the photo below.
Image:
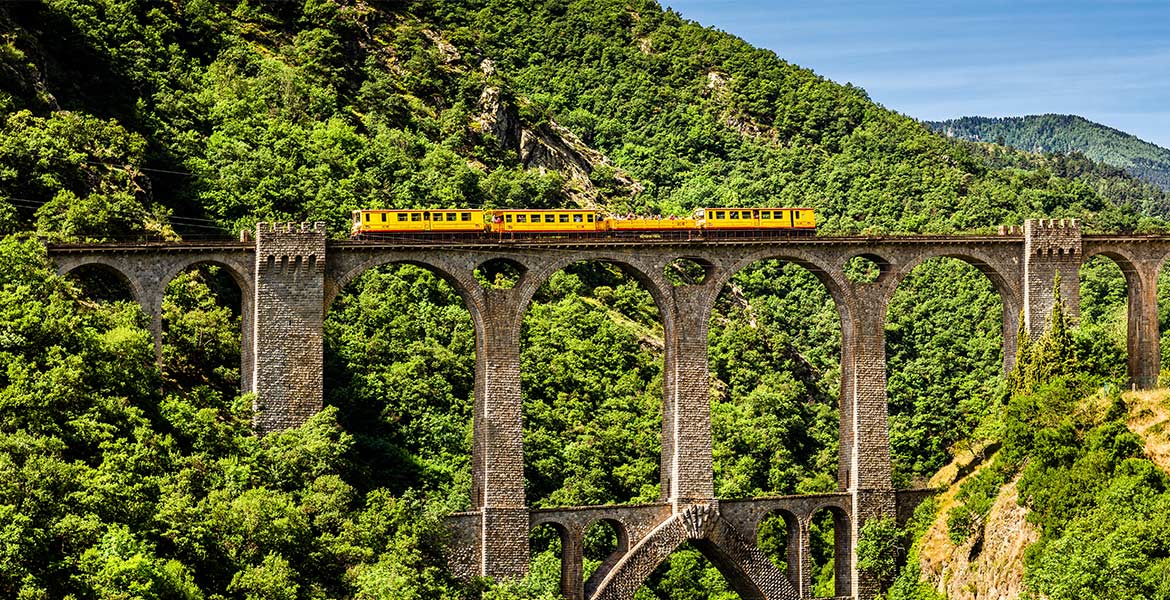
(134, 120)
(1067, 134)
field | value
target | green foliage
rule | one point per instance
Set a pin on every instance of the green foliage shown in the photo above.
(1068, 134)
(879, 549)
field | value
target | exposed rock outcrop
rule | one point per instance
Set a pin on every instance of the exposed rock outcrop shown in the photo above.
(547, 146)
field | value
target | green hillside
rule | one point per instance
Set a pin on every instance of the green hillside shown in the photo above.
(127, 119)
(1066, 134)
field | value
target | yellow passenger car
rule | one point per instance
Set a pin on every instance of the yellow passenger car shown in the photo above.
(544, 221)
(451, 220)
(796, 219)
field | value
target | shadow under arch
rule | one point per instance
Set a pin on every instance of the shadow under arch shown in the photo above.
(98, 265)
(544, 549)
(768, 539)
(749, 573)
(103, 282)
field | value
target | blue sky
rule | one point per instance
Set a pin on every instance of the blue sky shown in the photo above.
(1108, 61)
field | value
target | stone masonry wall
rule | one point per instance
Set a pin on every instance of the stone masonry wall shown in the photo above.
(1051, 246)
(288, 323)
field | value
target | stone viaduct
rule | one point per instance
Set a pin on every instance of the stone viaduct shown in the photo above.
(289, 274)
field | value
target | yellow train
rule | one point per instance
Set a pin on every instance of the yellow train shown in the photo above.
(509, 224)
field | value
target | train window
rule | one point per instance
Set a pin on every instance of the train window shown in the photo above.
(507, 218)
(590, 218)
(464, 216)
(401, 216)
(451, 217)
(564, 218)
(767, 214)
(550, 219)
(415, 216)
(719, 214)
(521, 218)
(367, 217)
(733, 214)
(535, 218)
(578, 218)
(796, 214)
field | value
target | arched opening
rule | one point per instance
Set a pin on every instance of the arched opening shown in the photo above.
(400, 368)
(604, 544)
(944, 356)
(686, 271)
(778, 537)
(499, 273)
(865, 268)
(102, 283)
(1103, 335)
(1163, 292)
(202, 308)
(591, 357)
(687, 573)
(775, 356)
(829, 553)
(547, 576)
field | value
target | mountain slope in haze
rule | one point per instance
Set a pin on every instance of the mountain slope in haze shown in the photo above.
(1066, 134)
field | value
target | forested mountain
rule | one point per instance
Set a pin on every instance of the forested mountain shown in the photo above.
(126, 119)
(1066, 134)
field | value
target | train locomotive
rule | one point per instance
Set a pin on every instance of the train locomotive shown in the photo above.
(509, 224)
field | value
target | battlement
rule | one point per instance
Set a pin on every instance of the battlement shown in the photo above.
(1053, 237)
(317, 227)
(1011, 230)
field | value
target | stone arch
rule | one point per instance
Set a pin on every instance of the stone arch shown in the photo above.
(793, 540)
(570, 577)
(828, 270)
(463, 282)
(646, 276)
(1006, 283)
(133, 284)
(607, 564)
(238, 271)
(631, 265)
(1141, 291)
(842, 547)
(749, 572)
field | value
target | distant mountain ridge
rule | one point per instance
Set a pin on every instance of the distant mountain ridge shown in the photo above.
(1065, 134)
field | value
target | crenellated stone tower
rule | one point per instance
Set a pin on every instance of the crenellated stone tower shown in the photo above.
(1051, 246)
(289, 317)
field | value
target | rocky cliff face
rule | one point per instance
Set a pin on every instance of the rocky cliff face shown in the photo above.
(547, 146)
(990, 565)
